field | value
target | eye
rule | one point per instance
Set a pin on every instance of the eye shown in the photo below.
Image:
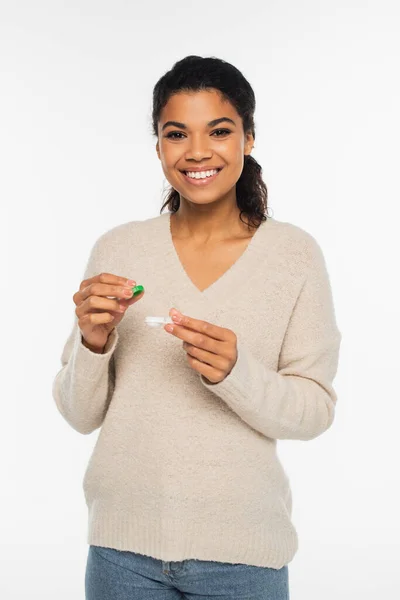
(223, 131)
(172, 134)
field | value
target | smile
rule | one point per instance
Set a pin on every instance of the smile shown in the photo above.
(201, 178)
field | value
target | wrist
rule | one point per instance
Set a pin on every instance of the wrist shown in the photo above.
(94, 349)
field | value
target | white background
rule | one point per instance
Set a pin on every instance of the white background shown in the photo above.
(78, 157)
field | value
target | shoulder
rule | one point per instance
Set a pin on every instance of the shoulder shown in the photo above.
(297, 244)
(130, 232)
(127, 243)
(293, 233)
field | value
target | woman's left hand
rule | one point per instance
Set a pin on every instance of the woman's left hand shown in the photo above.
(211, 350)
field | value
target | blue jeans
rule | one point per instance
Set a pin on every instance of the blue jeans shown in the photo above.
(123, 575)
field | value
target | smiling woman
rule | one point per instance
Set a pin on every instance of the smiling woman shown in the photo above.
(185, 489)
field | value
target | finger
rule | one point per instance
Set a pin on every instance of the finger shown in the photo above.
(214, 360)
(200, 340)
(106, 290)
(95, 319)
(100, 304)
(107, 278)
(210, 373)
(97, 304)
(214, 331)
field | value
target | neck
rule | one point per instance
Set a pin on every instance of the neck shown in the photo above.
(205, 224)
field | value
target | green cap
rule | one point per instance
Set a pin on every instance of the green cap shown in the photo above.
(138, 289)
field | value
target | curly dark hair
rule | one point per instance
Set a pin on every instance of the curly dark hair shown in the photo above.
(193, 74)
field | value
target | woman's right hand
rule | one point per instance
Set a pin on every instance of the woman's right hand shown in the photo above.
(97, 314)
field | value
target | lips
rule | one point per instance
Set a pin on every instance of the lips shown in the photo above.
(203, 180)
(200, 169)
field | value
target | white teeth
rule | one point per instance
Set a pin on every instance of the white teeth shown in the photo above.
(201, 174)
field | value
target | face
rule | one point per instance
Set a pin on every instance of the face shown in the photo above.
(193, 141)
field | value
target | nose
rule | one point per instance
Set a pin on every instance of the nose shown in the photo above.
(199, 149)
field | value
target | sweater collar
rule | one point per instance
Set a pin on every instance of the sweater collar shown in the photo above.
(233, 279)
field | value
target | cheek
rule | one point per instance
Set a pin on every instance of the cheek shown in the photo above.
(240, 155)
(170, 155)
(232, 154)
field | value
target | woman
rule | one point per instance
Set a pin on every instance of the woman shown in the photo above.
(186, 495)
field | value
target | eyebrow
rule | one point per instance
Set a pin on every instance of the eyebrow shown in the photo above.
(210, 124)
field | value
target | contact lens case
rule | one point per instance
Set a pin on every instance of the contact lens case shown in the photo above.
(157, 321)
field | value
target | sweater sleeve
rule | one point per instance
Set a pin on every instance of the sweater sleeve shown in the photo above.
(298, 400)
(83, 388)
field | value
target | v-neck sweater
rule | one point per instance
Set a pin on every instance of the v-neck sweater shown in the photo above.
(183, 468)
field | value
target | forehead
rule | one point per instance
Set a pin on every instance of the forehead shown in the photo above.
(197, 107)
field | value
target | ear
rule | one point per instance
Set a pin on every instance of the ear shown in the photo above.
(249, 143)
(158, 150)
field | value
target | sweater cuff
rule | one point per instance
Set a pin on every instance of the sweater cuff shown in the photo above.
(90, 363)
(234, 385)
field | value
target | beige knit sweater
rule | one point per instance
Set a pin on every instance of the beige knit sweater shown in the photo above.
(181, 468)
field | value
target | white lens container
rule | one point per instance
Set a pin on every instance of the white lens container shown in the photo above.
(157, 321)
